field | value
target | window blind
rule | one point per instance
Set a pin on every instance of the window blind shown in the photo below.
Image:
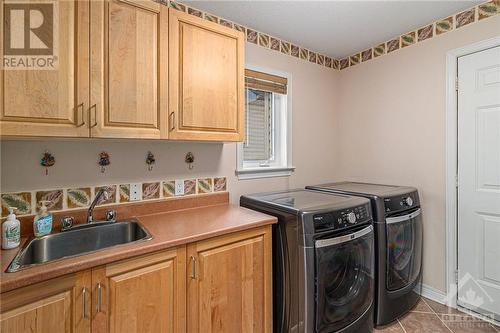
(258, 144)
(265, 82)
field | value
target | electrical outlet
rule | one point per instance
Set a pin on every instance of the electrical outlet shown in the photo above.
(179, 187)
(135, 192)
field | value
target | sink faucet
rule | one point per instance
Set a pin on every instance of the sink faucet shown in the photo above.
(99, 194)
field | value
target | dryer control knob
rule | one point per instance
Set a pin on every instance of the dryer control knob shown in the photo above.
(408, 201)
(351, 218)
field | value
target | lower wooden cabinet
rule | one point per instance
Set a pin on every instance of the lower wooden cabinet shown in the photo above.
(221, 284)
(144, 294)
(229, 284)
(56, 306)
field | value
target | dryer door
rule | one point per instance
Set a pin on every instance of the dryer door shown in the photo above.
(344, 279)
(404, 249)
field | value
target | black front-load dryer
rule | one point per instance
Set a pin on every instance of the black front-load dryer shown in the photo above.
(398, 244)
(323, 261)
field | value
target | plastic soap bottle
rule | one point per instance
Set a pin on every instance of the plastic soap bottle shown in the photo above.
(11, 231)
(42, 225)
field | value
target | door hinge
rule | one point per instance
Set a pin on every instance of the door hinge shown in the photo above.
(456, 181)
(456, 276)
(456, 83)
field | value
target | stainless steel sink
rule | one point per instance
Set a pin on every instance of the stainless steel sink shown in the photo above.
(80, 240)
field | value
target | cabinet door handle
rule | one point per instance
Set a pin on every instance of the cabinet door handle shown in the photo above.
(193, 271)
(95, 115)
(84, 302)
(99, 297)
(80, 107)
(172, 121)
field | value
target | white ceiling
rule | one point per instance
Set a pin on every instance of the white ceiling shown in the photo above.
(334, 28)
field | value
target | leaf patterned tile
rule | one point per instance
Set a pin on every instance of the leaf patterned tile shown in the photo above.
(20, 200)
(312, 56)
(328, 62)
(336, 64)
(169, 188)
(354, 60)
(124, 192)
(150, 191)
(190, 186)
(54, 199)
(294, 51)
(226, 23)
(251, 36)
(425, 32)
(379, 50)
(78, 197)
(321, 59)
(488, 9)
(393, 45)
(111, 189)
(220, 184)
(444, 25)
(304, 54)
(178, 6)
(205, 185)
(465, 17)
(195, 12)
(285, 47)
(211, 18)
(263, 40)
(275, 44)
(366, 55)
(239, 28)
(408, 39)
(344, 63)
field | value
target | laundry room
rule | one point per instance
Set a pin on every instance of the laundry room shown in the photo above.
(250, 166)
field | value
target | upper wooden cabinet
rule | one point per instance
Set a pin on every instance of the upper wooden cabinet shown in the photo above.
(229, 285)
(129, 73)
(206, 92)
(52, 101)
(130, 69)
(61, 305)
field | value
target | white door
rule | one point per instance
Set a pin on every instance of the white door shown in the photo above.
(479, 182)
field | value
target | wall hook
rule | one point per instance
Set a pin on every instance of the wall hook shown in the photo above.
(150, 160)
(189, 160)
(104, 161)
(47, 161)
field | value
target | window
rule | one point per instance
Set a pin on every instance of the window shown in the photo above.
(266, 149)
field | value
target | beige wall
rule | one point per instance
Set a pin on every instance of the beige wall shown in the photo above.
(383, 121)
(313, 96)
(390, 126)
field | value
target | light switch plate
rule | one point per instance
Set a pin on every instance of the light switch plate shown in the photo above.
(135, 192)
(179, 187)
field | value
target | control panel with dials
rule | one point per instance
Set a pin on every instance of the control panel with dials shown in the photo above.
(401, 202)
(342, 218)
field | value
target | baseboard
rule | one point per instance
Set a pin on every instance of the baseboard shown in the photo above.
(433, 294)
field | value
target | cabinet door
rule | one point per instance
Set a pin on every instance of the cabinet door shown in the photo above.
(129, 41)
(206, 66)
(56, 306)
(229, 284)
(145, 294)
(54, 100)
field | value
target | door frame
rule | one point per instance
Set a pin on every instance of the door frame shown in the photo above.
(452, 160)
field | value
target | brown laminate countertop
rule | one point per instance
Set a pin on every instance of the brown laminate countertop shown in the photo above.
(168, 230)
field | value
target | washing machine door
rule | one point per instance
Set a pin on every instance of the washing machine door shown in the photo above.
(404, 248)
(344, 268)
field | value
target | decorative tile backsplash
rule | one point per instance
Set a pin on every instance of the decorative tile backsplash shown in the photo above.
(81, 197)
(475, 14)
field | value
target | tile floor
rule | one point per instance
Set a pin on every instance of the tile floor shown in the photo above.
(431, 317)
